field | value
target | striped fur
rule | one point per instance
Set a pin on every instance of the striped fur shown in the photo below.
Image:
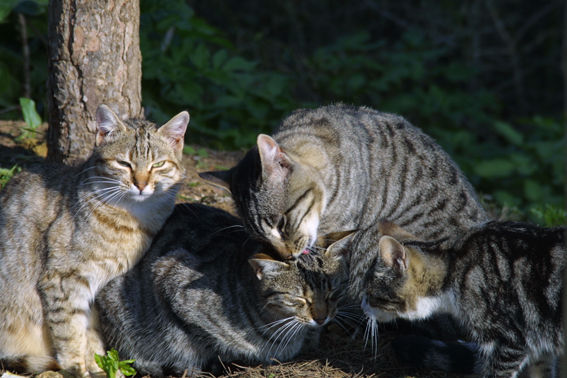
(501, 280)
(342, 168)
(205, 292)
(66, 231)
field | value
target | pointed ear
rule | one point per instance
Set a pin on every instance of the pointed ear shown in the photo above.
(174, 130)
(276, 164)
(393, 253)
(107, 123)
(265, 265)
(395, 231)
(221, 179)
(336, 243)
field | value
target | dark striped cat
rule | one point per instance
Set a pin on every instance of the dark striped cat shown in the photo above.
(501, 280)
(66, 231)
(343, 168)
(205, 291)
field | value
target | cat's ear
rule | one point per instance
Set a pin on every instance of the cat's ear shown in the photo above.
(174, 130)
(265, 265)
(221, 179)
(336, 243)
(276, 165)
(393, 253)
(107, 123)
(395, 231)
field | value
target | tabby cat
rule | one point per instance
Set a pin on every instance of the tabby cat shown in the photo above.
(66, 231)
(206, 292)
(343, 168)
(501, 280)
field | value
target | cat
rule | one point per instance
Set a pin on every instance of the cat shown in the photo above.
(340, 167)
(206, 292)
(66, 231)
(501, 280)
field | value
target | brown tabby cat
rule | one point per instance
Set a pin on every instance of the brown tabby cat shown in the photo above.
(206, 292)
(66, 231)
(502, 280)
(340, 167)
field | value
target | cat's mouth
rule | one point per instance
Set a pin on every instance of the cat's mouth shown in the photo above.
(376, 314)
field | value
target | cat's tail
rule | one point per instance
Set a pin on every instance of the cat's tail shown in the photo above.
(420, 352)
(29, 364)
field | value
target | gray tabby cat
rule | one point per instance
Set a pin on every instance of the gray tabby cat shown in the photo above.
(501, 280)
(66, 231)
(205, 291)
(343, 168)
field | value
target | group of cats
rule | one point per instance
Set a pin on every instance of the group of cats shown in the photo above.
(342, 205)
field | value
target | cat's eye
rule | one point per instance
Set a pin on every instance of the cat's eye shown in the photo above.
(281, 224)
(124, 163)
(333, 295)
(158, 164)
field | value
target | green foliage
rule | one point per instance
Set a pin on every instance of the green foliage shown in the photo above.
(111, 364)
(7, 173)
(12, 59)
(190, 64)
(31, 118)
(548, 215)
(522, 164)
(240, 68)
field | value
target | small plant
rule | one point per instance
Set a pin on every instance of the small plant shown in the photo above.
(31, 117)
(549, 215)
(111, 364)
(6, 174)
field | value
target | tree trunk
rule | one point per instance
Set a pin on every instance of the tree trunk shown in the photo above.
(94, 58)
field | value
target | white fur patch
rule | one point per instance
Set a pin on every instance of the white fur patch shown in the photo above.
(275, 233)
(309, 227)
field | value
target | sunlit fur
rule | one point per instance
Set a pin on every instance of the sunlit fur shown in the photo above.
(501, 280)
(206, 291)
(66, 231)
(340, 167)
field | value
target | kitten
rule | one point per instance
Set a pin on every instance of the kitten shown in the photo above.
(66, 231)
(206, 292)
(501, 280)
(343, 168)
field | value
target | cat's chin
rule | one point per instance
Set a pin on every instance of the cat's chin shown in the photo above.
(376, 314)
(140, 197)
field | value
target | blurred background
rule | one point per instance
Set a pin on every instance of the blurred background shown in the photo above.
(484, 78)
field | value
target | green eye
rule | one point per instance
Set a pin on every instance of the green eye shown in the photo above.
(158, 164)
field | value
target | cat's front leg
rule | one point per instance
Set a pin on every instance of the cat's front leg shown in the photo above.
(95, 343)
(504, 361)
(65, 298)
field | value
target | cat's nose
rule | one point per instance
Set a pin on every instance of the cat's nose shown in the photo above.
(140, 181)
(320, 320)
(141, 185)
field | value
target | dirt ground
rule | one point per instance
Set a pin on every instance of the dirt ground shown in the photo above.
(340, 354)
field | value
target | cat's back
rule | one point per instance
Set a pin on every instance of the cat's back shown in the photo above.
(39, 187)
(515, 241)
(183, 288)
(504, 268)
(379, 166)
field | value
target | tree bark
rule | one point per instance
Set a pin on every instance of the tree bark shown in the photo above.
(94, 58)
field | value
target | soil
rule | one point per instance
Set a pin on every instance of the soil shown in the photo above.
(342, 352)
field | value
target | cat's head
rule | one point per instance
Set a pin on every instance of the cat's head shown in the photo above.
(134, 160)
(305, 290)
(400, 278)
(278, 199)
